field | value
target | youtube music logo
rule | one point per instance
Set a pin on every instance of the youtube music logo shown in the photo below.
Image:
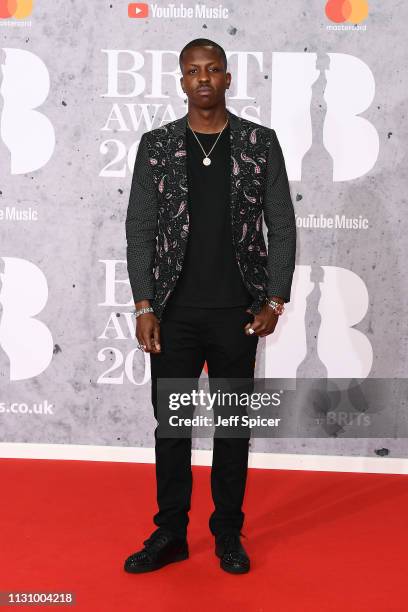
(173, 11)
(138, 9)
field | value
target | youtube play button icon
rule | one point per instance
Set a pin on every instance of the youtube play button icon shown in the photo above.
(138, 9)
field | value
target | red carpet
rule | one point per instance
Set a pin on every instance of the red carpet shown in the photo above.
(318, 541)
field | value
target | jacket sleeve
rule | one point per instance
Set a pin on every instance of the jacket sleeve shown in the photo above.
(141, 224)
(279, 217)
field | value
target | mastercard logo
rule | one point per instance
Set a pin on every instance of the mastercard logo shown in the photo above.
(20, 9)
(353, 11)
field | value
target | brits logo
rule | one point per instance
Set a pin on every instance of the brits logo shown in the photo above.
(352, 11)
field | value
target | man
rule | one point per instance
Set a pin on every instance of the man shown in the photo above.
(204, 285)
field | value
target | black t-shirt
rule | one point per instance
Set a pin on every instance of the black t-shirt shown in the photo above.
(210, 277)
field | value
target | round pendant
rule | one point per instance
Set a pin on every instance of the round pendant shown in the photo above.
(206, 161)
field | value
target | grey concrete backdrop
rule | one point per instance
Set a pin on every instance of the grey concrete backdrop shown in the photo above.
(82, 213)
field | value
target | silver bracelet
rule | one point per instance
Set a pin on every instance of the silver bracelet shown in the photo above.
(137, 313)
(277, 307)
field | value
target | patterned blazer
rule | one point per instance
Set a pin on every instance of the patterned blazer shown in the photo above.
(157, 221)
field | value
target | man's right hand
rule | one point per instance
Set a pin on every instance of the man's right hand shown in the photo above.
(148, 332)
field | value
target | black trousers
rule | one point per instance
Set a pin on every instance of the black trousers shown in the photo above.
(190, 336)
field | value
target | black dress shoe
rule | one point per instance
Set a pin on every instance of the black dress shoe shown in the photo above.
(160, 549)
(234, 558)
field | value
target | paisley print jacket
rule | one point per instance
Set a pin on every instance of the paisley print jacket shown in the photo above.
(157, 222)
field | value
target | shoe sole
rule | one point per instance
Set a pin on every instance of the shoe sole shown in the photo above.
(148, 568)
(236, 570)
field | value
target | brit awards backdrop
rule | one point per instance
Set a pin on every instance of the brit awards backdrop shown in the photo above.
(80, 82)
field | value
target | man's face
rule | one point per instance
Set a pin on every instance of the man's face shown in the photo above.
(204, 78)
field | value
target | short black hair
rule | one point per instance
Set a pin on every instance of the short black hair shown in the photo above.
(203, 42)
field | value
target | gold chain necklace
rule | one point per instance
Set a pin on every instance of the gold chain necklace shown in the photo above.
(206, 159)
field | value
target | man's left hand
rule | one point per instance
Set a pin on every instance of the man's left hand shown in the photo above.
(264, 322)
